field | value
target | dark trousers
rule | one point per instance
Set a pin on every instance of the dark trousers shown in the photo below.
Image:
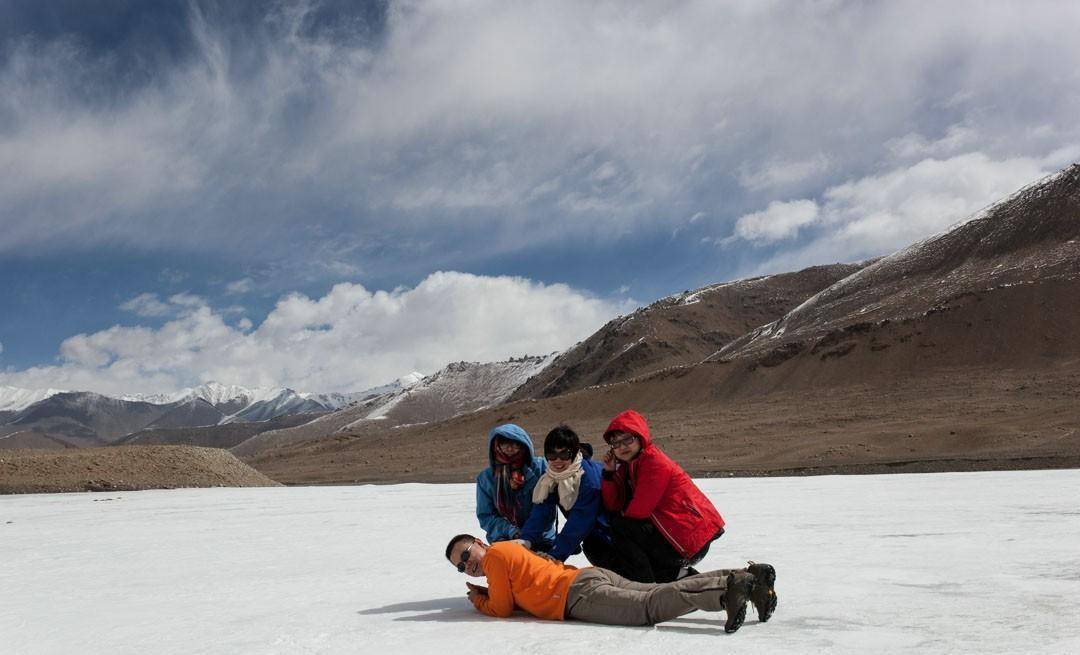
(639, 552)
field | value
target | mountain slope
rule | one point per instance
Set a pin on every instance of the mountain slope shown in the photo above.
(999, 287)
(460, 387)
(678, 330)
(213, 436)
(84, 418)
(188, 413)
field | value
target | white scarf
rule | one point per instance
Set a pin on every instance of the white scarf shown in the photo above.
(567, 482)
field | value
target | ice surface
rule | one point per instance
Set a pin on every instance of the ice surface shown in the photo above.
(964, 562)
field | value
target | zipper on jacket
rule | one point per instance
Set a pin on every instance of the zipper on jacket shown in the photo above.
(667, 535)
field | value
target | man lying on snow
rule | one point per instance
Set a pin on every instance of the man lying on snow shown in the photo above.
(548, 589)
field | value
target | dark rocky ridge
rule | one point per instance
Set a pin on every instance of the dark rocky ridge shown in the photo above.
(678, 330)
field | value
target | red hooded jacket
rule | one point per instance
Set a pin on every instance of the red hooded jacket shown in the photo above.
(661, 491)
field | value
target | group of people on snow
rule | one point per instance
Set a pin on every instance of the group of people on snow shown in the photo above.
(635, 515)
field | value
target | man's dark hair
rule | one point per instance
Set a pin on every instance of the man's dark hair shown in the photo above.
(460, 537)
(562, 437)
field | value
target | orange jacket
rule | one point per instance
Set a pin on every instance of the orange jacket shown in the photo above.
(519, 578)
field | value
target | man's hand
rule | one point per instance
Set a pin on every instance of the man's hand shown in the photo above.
(475, 590)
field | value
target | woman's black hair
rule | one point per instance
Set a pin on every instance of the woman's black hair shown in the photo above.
(560, 438)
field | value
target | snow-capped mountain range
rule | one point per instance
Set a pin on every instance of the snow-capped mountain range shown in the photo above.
(49, 417)
(458, 388)
(14, 399)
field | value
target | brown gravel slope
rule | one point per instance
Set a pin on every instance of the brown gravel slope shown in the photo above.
(944, 419)
(125, 468)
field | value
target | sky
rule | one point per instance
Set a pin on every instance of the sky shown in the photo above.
(958, 562)
(300, 193)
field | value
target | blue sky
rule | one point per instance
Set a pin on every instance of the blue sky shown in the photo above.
(313, 193)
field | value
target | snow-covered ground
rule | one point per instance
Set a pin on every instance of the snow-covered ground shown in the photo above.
(966, 562)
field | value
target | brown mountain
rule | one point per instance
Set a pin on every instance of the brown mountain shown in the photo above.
(678, 330)
(999, 289)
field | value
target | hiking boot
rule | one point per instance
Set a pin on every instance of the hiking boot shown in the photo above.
(739, 584)
(762, 595)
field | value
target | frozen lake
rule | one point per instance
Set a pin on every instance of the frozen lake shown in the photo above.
(964, 562)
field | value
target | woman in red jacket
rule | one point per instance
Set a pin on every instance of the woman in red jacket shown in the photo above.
(662, 523)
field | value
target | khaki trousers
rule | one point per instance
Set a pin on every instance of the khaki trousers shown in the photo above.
(601, 596)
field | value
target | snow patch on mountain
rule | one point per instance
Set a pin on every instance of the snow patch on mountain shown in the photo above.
(464, 386)
(13, 399)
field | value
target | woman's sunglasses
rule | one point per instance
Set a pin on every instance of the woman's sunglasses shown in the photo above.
(562, 453)
(625, 441)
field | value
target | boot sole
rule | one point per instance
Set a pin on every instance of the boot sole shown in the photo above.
(764, 575)
(735, 622)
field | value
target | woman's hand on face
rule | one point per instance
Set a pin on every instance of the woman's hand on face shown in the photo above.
(609, 460)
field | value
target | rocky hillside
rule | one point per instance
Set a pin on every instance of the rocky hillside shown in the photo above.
(999, 288)
(459, 388)
(213, 436)
(678, 330)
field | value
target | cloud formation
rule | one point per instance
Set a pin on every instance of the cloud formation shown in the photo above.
(348, 340)
(441, 125)
(146, 305)
(780, 220)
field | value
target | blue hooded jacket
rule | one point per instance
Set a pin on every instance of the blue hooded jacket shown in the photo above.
(585, 517)
(497, 527)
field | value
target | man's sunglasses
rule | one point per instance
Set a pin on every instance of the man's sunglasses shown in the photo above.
(562, 453)
(464, 558)
(625, 441)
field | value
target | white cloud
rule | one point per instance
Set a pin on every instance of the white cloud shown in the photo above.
(778, 174)
(240, 286)
(914, 145)
(147, 305)
(882, 213)
(349, 339)
(780, 220)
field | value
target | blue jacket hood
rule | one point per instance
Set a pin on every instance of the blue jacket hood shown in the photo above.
(513, 432)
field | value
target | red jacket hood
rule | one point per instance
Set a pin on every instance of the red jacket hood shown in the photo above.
(632, 422)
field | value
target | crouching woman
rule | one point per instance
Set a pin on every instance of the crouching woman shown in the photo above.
(662, 523)
(504, 489)
(571, 486)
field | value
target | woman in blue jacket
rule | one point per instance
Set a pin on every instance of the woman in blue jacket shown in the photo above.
(504, 490)
(571, 483)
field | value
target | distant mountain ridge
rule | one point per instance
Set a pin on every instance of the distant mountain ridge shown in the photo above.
(51, 418)
(458, 388)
